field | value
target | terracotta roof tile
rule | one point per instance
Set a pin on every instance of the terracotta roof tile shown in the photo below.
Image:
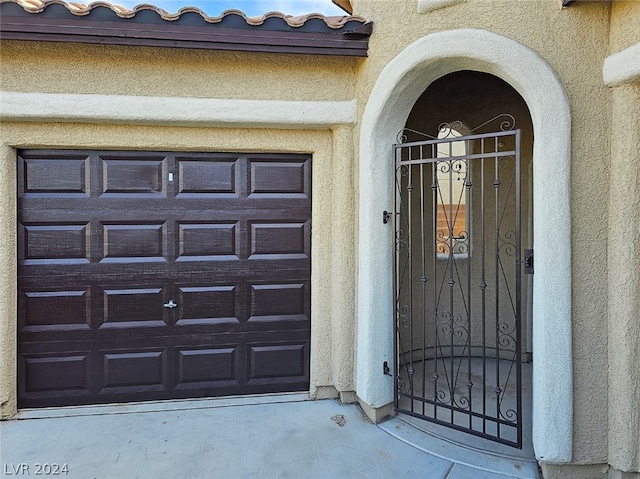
(80, 9)
(147, 25)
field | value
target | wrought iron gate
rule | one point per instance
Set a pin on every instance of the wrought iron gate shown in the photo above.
(457, 268)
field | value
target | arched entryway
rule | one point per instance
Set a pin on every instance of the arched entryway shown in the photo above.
(394, 95)
(461, 203)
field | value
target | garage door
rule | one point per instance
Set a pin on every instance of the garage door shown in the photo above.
(147, 276)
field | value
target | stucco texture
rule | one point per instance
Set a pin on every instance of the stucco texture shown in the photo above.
(8, 284)
(625, 25)
(119, 70)
(624, 240)
(624, 283)
(574, 42)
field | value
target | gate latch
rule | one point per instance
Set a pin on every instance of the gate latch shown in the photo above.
(386, 216)
(528, 261)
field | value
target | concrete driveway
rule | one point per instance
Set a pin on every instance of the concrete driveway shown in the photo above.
(283, 436)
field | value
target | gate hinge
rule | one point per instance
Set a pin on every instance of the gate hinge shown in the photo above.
(385, 369)
(528, 261)
(386, 215)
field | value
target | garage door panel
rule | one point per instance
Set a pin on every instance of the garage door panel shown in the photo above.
(137, 307)
(275, 177)
(207, 241)
(50, 176)
(175, 275)
(55, 374)
(204, 365)
(279, 240)
(135, 370)
(277, 302)
(59, 243)
(207, 367)
(51, 310)
(271, 363)
(141, 242)
(133, 176)
(208, 177)
(207, 304)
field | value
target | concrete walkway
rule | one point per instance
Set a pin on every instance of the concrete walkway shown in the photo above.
(281, 436)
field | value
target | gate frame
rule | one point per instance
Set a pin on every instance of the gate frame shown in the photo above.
(471, 158)
(394, 94)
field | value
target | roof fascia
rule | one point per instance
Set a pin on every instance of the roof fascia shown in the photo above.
(354, 42)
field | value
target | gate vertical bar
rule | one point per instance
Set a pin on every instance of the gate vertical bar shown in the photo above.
(496, 260)
(468, 232)
(397, 151)
(483, 287)
(518, 295)
(423, 277)
(451, 379)
(410, 370)
(434, 194)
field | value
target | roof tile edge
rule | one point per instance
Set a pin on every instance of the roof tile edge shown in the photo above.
(79, 9)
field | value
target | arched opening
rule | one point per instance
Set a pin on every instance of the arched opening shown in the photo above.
(472, 98)
(398, 86)
(463, 179)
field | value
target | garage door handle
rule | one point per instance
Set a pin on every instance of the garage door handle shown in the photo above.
(170, 304)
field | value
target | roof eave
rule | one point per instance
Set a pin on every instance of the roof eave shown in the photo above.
(77, 30)
(345, 5)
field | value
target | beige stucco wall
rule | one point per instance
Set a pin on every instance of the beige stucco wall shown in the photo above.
(574, 42)
(624, 283)
(8, 283)
(115, 70)
(624, 252)
(625, 25)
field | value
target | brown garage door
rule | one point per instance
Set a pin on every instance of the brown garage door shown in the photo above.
(161, 275)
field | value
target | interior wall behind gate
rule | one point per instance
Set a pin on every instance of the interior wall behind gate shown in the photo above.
(475, 98)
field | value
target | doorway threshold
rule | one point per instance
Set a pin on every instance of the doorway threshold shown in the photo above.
(464, 449)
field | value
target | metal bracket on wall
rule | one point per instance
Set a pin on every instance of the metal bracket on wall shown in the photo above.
(386, 216)
(528, 261)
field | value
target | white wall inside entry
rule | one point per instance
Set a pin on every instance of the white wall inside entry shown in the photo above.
(396, 90)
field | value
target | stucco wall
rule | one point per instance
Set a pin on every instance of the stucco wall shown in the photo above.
(625, 25)
(574, 42)
(79, 68)
(624, 238)
(624, 283)
(8, 284)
